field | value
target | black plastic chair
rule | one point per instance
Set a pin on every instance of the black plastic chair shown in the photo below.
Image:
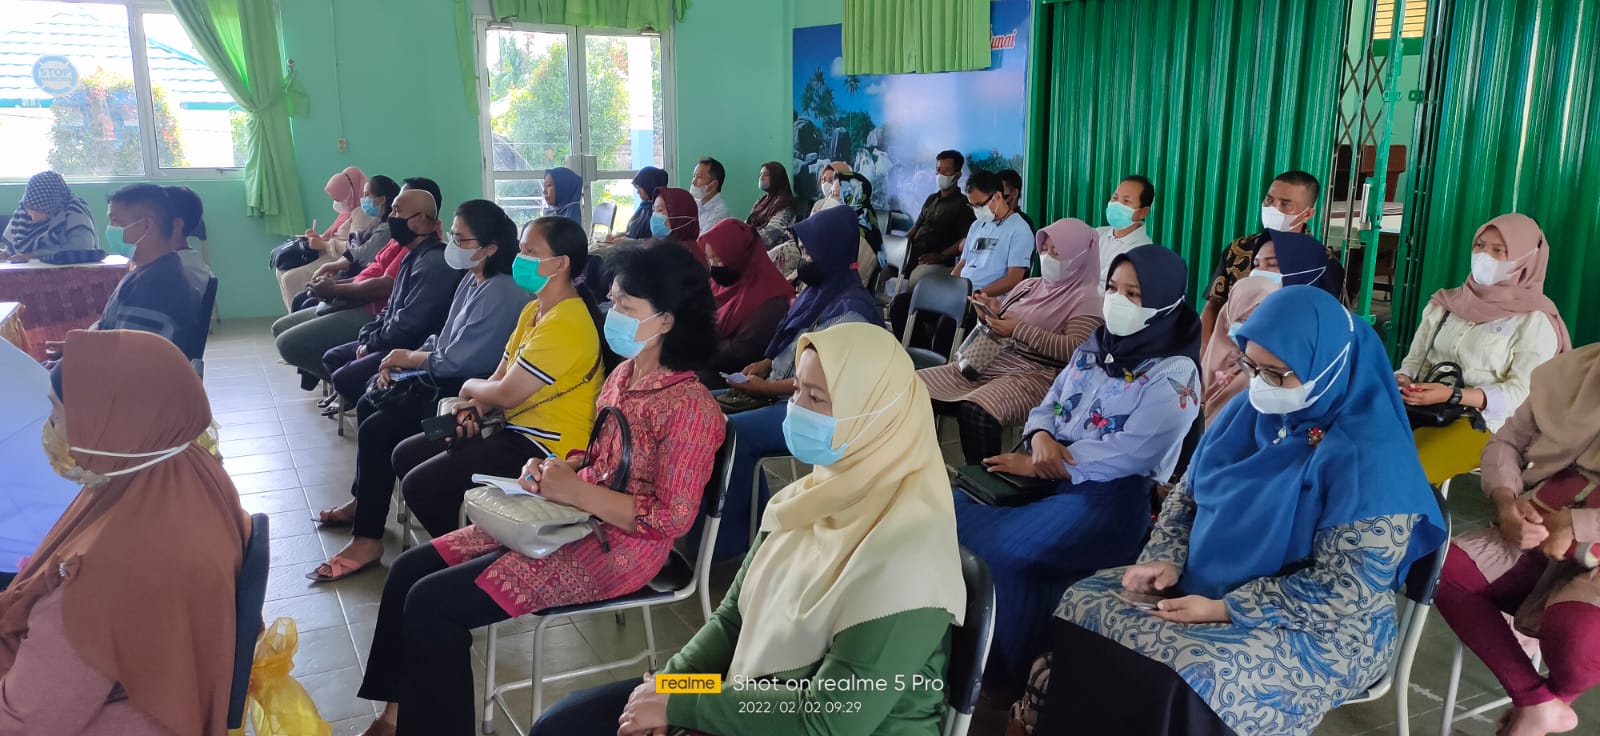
(680, 579)
(196, 350)
(969, 646)
(945, 297)
(249, 598)
(605, 219)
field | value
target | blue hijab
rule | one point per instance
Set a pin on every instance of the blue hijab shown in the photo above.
(1175, 330)
(651, 180)
(832, 239)
(569, 194)
(1303, 260)
(1263, 489)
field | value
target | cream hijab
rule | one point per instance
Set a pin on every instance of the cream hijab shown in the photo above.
(867, 537)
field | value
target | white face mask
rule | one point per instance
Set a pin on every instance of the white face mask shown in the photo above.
(946, 181)
(459, 258)
(1123, 317)
(158, 456)
(1050, 268)
(1233, 330)
(698, 191)
(1488, 271)
(983, 213)
(1272, 219)
(1273, 276)
(1269, 399)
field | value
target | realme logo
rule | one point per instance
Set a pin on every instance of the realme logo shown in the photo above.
(689, 684)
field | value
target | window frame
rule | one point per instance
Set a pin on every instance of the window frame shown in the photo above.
(577, 105)
(139, 48)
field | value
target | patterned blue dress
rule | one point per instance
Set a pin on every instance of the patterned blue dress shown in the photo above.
(1299, 645)
(1124, 434)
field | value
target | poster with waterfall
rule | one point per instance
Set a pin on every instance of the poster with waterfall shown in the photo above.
(889, 127)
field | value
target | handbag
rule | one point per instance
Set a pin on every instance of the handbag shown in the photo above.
(734, 401)
(979, 350)
(534, 526)
(1443, 415)
(418, 387)
(292, 254)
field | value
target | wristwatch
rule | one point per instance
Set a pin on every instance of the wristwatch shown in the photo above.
(1455, 395)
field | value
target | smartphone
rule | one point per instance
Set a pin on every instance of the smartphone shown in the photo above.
(405, 375)
(440, 427)
(735, 378)
(984, 308)
(1141, 601)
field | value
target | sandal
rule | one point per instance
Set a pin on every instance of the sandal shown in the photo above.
(332, 518)
(339, 568)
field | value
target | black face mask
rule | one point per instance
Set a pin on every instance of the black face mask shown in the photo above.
(400, 230)
(810, 273)
(724, 276)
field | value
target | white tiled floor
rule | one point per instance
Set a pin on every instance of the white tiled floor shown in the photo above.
(286, 460)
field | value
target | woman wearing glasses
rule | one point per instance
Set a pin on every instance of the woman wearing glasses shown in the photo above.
(1267, 585)
(1110, 428)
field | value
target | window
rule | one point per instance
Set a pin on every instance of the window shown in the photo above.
(97, 90)
(587, 99)
(1413, 26)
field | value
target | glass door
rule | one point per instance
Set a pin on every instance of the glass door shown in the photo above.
(593, 101)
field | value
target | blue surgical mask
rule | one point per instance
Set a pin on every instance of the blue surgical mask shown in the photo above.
(622, 332)
(1119, 215)
(1273, 276)
(117, 242)
(658, 225)
(368, 208)
(810, 435)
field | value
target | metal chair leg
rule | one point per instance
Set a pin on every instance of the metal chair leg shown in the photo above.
(489, 683)
(649, 638)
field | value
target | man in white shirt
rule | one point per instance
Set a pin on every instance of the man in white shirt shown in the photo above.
(1125, 220)
(707, 190)
(999, 246)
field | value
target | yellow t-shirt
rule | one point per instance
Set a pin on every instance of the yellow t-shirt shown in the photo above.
(562, 349)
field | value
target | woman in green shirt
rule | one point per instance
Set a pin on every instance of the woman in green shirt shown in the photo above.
(839, 620)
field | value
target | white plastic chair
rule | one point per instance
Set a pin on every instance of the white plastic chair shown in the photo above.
(680, 580)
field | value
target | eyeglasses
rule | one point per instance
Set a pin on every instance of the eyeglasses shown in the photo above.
(457, 240)
(1273, 377)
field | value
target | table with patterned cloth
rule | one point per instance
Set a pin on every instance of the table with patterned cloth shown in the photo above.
(58, 299)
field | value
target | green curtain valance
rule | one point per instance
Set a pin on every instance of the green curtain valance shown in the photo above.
(629, 14)
(239, 41)
(905, 36)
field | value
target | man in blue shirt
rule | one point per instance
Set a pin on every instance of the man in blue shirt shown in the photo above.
(999, 246)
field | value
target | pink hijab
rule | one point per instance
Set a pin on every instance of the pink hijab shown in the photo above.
(1049, 304)
(1220, 378)
(345, 188)
(1523, 290)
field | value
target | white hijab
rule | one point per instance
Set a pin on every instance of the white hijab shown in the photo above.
(869, 536)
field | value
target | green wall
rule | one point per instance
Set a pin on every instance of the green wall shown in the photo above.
(384, 75)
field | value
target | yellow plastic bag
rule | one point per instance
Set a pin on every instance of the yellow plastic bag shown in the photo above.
(1449, 451)
(276, 704)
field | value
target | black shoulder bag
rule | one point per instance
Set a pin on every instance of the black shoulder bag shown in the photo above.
(1449, 374)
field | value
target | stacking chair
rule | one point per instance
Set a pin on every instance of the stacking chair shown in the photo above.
(249, 597)
(1418, 591)
(945, 297)
(680, 580)
(969, 646)
(196, 353)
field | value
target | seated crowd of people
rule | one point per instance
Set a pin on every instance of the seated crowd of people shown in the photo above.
(1213, 510)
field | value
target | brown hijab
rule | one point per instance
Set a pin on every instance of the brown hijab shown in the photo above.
(147, 561)
(1521, 293)
(1220, 377)
(1565, 399)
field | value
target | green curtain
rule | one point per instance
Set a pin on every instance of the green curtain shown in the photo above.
(1518, 131)
(629, 14)
(905, 36)
(239, 40)
(1208, 99)
(466, 54)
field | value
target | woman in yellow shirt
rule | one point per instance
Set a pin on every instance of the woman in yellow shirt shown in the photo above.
(546, 384)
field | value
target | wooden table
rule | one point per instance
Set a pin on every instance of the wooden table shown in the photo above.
(59, 299)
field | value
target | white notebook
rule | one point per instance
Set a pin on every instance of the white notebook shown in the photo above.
(511, 486)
